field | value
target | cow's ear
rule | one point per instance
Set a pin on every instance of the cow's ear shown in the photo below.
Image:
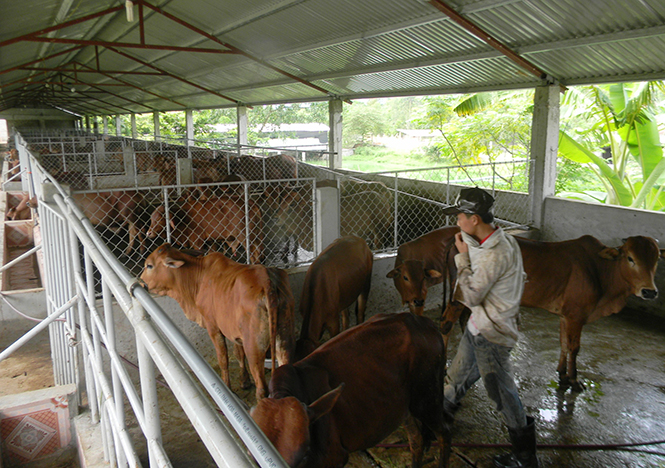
(324, 404)
(173, 263)
(433, 273)
(392, 273)
(609, 253)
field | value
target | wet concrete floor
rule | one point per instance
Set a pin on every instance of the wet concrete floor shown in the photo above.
(621, 362)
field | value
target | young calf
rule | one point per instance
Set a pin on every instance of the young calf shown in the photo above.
(356, 389)
(251, 305)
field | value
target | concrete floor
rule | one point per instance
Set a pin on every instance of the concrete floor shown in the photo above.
(622, 363)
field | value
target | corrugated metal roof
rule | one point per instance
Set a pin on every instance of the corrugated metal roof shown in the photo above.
(268, 51)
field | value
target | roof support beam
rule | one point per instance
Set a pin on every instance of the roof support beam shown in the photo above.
(111, 72)
(232, 48)
(164, 72)
(7, 70)
(127, 45)
(486, 37)
(61, 26)
(135, 87)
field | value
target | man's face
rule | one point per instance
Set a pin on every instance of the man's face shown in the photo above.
(467, 223)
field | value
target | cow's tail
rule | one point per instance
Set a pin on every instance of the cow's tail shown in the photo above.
(280, 304)
(446, 325)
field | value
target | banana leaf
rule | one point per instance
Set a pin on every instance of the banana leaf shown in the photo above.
(572, 150)
(476, 103)
(644, 145)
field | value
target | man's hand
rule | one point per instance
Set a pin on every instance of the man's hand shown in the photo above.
(460, 244)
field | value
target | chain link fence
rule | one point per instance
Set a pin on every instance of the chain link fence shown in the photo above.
(407, 204)
(256, 208)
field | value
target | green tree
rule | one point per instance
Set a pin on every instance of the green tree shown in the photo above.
(617, 138)
(363, 120)
(485, 127)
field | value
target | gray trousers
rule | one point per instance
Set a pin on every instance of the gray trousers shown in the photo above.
(478, 358)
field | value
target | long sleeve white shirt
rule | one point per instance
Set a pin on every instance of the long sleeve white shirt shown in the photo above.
(490, 281)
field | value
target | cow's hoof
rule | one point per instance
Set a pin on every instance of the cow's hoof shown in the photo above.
(564, 383)
(576, 386)
(446, 327)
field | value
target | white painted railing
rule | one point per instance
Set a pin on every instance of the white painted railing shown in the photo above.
(72, 253)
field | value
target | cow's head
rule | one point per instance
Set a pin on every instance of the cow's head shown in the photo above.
(158, 222)
(638, 258)
(159, 267)
(410, 279)
(286, 422)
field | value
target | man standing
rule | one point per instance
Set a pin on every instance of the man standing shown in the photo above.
(490, 281)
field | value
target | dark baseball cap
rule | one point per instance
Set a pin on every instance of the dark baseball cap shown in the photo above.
(471, 201)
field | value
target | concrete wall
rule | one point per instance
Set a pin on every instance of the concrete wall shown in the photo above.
(570, 219)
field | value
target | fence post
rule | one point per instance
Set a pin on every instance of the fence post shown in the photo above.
(396, 209)
(327, 216)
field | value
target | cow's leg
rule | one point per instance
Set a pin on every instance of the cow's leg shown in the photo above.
(450, 315)
(361, 306)
(332, 323)
(219, 342)
(132, 232)
(244, 375)
(561, 368)
(574, 336)
(345, 318)
(256, 358)
(413, 429)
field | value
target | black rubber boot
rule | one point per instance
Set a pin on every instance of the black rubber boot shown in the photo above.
(524, 448)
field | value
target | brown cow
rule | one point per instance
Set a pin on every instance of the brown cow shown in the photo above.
(251, 305)
(254, 168)
(339, 276)
(22, 209)
(420, 264)
(121, 208)
(283, 166)
(355, 390)
(214, 219)
(582, 280)
(366, 214)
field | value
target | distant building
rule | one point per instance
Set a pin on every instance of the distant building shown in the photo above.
(295, 131)
(421, 135)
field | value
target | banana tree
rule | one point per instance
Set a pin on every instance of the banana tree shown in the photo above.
(622, 117)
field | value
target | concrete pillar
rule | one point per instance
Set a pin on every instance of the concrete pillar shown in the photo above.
(185, 171)
(105, 124)
(133, 121)
(242, 125)
(544, 149)
(155, 121)
(327, 217)
(95, 125)
(87, 123)
(189, 124)
(128, 160)
(118, 125)
(335, 133)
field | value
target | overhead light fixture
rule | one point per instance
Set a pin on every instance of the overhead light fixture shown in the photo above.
(73, 89)
(129, 7)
